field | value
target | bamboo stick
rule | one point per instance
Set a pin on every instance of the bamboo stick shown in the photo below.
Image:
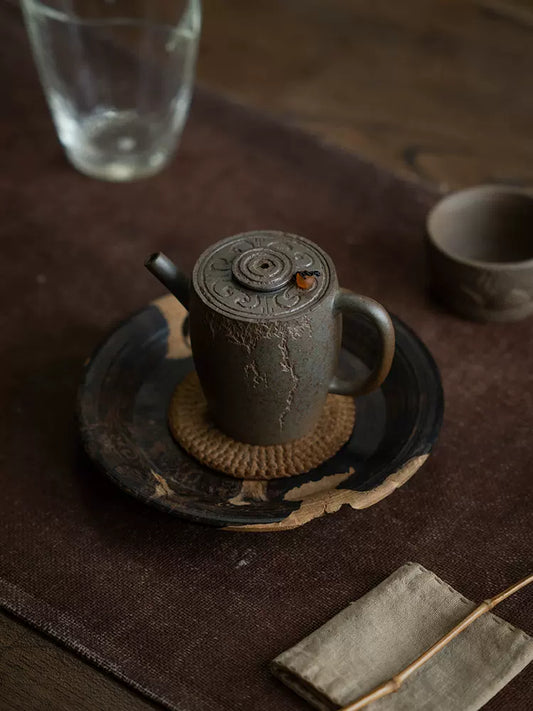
(394, 684)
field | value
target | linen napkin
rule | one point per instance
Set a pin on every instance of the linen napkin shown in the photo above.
(382, 632)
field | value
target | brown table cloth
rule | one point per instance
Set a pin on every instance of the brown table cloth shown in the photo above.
(188, 614)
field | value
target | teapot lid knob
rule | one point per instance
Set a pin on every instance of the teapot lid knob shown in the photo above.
(263, 269)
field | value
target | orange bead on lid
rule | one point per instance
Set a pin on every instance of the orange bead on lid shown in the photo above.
(305, 281)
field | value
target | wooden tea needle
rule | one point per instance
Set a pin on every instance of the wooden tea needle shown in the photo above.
(394, 684)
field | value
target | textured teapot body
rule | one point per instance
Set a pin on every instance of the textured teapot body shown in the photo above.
(265, 356)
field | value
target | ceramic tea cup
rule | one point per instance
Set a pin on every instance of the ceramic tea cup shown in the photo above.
(480, 243)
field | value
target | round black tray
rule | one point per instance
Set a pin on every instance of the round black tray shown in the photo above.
(123, 405)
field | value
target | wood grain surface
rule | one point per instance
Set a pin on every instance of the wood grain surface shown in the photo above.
(37, 674)
(432, 89)
(438, 90)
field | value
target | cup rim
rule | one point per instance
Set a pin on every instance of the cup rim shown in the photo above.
(63, 15)
(478, 190)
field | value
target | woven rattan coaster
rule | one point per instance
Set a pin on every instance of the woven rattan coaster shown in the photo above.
(192, 428)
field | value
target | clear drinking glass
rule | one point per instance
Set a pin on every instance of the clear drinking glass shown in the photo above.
(118, 77)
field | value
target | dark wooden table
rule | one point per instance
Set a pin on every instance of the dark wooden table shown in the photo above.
(433, 89)
(438, 90)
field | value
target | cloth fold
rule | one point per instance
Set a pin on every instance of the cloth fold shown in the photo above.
(381, 633)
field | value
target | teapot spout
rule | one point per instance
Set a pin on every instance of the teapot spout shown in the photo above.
(170, 276)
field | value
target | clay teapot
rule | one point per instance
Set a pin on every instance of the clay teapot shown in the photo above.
(265, 313)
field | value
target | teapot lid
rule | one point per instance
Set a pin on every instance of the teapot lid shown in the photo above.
(253, 275)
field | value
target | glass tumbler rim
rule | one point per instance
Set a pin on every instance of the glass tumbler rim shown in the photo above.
(45, 7)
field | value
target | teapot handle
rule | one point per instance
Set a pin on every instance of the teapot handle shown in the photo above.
(349, 303)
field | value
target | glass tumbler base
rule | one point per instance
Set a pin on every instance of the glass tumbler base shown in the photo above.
(119, 146)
